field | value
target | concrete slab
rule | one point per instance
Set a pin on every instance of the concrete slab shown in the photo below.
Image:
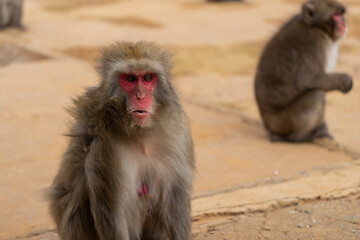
(332, 220)
(335, 184)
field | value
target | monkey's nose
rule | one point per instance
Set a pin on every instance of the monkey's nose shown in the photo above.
(140, 95)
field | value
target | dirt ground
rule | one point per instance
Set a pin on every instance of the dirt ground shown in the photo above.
(246, 187)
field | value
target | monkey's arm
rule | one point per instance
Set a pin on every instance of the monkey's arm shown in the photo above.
(334, 81)
(324, 81)
(178, 223)
(101, 172)
(178, 219)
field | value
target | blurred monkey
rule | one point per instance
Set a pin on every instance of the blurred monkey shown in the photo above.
(11, 13)
(295, 71)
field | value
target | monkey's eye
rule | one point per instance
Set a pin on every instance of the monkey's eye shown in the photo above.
(147, 78)
(130, 78)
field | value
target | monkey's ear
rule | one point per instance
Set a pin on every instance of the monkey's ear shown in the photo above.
(308, 11)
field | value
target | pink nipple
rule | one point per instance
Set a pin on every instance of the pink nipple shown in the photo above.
(142, 190)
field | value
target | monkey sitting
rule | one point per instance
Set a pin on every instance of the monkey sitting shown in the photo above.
(295, 71)
(11, 13)
(127, 172)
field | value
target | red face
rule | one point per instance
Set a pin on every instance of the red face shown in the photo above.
(139, 87)
(340, 26)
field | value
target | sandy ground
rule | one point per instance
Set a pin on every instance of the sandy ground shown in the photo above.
(246, 187)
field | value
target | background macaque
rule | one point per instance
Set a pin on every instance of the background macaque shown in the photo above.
(128, 170)
(295, 71)
(10, 13)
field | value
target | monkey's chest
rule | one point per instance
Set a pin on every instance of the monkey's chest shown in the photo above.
(331, 57)
(144, 172)
(143, 181)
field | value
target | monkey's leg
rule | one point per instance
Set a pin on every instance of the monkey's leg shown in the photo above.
(4, 15)
(154, 227)
(321, 131)
(306, 115)
(71, 212)
(16, 14)
(277, 125)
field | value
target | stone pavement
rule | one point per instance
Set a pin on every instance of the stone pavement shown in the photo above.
(246, 186)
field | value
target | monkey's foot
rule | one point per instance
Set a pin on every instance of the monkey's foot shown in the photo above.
(276, 137)
(321, 132)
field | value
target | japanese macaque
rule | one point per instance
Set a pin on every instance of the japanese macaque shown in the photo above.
(127, 172)
(10, 13)
(295, 71)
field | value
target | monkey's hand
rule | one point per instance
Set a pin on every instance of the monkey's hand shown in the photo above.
(346, 83)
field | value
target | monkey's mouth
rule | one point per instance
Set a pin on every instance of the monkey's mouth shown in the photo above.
(340, 25)
(140, 113)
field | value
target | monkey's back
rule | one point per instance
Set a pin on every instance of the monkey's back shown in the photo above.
(295, 47)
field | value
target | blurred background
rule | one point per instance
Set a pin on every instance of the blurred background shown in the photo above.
(242, 178)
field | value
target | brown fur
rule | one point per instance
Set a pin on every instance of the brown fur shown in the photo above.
(294, 72)
(10, 13)
(94, 195)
